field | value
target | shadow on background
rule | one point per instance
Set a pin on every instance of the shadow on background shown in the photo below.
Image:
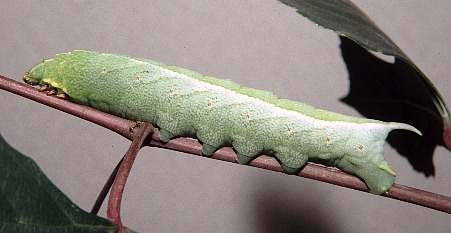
(278, 210)
(392, 92)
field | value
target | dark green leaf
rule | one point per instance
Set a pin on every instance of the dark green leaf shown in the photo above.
(29, 202)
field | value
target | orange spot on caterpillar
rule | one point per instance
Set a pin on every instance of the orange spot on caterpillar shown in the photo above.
(103, 70)
(248, 116)
(289, 129)
(209, 104)
(137, 78)
(327, 139)
(171, 91)
(361, 147)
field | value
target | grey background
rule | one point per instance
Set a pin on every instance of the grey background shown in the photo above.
(256, 43)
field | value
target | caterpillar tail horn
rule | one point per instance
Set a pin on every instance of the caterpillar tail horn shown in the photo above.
(396, 125)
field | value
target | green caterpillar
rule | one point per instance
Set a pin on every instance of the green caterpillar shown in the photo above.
(221, 113)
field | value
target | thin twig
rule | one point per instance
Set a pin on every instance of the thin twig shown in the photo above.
(114, 202)
(312, 171)
(106, 188)
(111, 122)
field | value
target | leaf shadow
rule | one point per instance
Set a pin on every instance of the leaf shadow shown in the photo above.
(394, 92)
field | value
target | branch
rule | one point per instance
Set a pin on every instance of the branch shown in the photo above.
(114, 202)
(188, 145)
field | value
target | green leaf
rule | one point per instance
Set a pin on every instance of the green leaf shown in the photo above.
(30, 202)
(345, 18)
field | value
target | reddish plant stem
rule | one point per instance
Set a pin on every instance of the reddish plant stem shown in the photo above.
(108, 121)
(106, 188)
(312, 171)
(316, 172)
(117, 190)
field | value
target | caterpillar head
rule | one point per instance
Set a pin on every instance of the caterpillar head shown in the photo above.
(35, 75)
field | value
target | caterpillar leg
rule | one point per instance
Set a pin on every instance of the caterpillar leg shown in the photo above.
(208, 149)
(289, 170)
(165, 135)
(378, 179)
(291, 161)
(243, 159)
(245, 150)
(211, 140)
